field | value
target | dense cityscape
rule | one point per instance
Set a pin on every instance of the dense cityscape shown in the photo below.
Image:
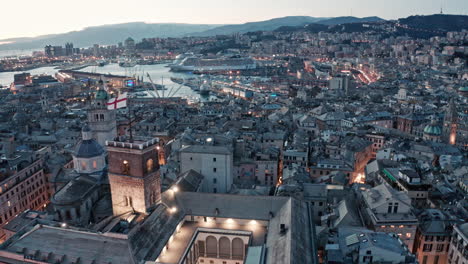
(339, 142)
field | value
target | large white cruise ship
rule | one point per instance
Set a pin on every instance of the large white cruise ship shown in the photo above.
(190, 62)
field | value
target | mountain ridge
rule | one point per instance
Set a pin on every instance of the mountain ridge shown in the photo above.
(114, 33)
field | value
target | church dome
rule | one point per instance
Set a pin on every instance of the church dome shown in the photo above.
(463, 89)
(88, 147)
(101, 95)
(433, 129)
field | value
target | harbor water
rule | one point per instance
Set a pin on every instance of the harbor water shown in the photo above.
(159, 73)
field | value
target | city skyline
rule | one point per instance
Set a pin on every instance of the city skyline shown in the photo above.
(89, 13)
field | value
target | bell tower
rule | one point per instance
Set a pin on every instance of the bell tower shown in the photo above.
(450, 123)
(102, 121)
(134, 175)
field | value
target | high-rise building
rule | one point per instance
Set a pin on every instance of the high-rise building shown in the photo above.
(134, 175)
(129, 44)
(69, 49)
(54, 51)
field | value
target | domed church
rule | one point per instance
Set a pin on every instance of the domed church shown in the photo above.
(89, 156)
(88, 186)
(433, 131)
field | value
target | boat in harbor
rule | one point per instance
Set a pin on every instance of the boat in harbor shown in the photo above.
(127, 63)
(216, 63)
(102, 63)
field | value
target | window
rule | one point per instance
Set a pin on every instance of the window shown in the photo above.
(427, 247)
(390, 205)
(214, 190)
(83, 165)
(214, 180)
(214, 169)
(94, 164)
(125, 167)
(214, 159)
(429, 238)
(440, 248)
(436, 259)
(149, 165)
(440, 238)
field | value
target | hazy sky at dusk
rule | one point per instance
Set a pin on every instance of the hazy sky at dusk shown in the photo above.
(37, 17)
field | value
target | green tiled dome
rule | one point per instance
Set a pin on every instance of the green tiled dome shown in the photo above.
(101, 95)
(463, 89)
(433, 130)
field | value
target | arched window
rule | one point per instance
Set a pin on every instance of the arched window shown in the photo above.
(224, 247)
(211, 247)
(149, 165)
(237, 248)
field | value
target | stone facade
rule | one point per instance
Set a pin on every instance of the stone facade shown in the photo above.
(133, 176)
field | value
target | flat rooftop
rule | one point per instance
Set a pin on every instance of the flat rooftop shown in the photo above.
(52, 242)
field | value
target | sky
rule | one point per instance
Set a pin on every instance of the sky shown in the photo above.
(27, 18)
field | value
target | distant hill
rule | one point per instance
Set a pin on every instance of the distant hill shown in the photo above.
(267, 25)
(414, 26)
(284, 23)
(439, 22)
(107, 34)
(313, 28)
(348, 19)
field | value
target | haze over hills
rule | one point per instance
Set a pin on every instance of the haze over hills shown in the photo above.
(106, 35)
(420, 26)
(112, 34)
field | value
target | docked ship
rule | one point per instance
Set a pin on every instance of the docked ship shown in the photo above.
(190, 62)
(127, 63)
(101, 63)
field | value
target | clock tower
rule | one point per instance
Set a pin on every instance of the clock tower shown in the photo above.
(133, 175)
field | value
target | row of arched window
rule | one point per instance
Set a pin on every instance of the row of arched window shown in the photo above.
(223, 248)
